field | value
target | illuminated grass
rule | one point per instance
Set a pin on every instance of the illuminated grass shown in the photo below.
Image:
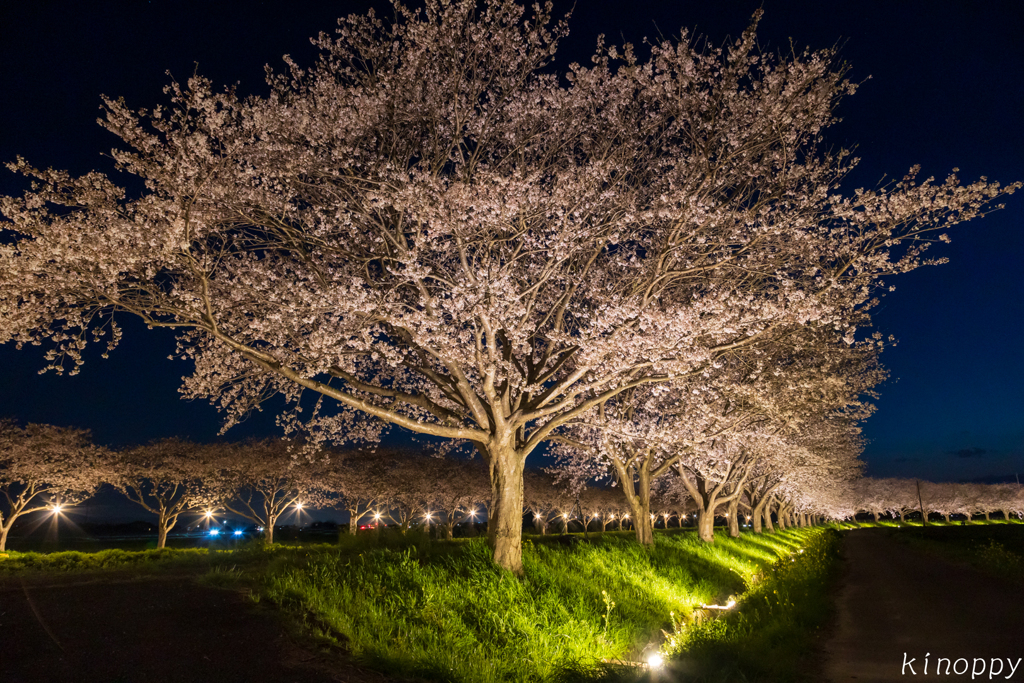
(769, 636)
(443, 611)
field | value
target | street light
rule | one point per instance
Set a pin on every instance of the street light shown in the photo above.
(56, 509)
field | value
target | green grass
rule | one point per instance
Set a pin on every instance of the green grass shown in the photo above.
(769, 635)
(443, 611)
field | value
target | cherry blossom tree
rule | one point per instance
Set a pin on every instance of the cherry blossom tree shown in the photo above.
(457, 491)
(43, 467)
(356, 481)
(260, 480)
(428, 228)
(165, 478)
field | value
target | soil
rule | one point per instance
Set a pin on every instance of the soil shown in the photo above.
(896, 603)
(120, 629)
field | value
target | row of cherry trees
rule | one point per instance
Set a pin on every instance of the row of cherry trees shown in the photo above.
(429, 229)
(900, 497)
(50, 468)
(46, 468)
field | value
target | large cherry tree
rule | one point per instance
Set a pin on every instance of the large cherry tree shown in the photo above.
(430, 228)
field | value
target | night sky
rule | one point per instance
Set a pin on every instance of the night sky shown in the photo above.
(946, 89)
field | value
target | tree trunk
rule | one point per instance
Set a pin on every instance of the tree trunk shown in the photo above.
(505, 516)
(706, 525)
(987, 519)
(875, 515)
(780, 515)
(734, 517)
(768, 518)
(903, 516)
(353, 523)
(161, 535)
(757, 515)
(638, 497)
(268, 532)
(449, 530)
(1006, 515)
(946, 516)
(3, 537)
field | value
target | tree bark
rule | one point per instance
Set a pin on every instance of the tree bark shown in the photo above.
(353, 523)
(706, 525)
(768, 518)
(505, 516)
(3, 537)
(757, 516)
(161, 535)
(638, 497)
(875, 515)
(734, 517)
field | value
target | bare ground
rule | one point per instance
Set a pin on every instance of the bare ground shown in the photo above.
(152, 630)
(896, 603)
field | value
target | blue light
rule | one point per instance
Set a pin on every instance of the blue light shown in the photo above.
(214, 532)
(238, 532)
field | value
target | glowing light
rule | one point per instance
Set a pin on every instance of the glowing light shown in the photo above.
(625, 516)
(728, 605)
(655, 661)
(298, 506)
(472, 513)
(238, 532)
(565, 516)
(214, 532)
(376, 515)
(208, 514)
(56, 509)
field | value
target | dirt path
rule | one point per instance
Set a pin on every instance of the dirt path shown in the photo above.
(896, 604)
(153, 630)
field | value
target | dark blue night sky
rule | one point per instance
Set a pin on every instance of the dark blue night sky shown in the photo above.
(946, 89)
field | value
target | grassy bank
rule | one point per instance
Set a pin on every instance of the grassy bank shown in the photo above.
(769, 636)
(442, 611)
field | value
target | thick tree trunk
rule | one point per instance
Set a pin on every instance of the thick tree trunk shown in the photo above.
(268, 532)
(505, 517)
(353, 523)
(768, 519)
(875, 515)
(706, 525)
(780, 515)
(161, 535)
(987, 519)
(903, 516)
(3, 537)
(734, 517)
(757, 514)
(1006, 515)
(946, 517)
(638, 497)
